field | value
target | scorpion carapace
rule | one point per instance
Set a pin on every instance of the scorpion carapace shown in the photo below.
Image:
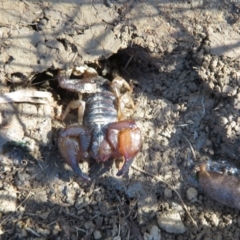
(102, 132)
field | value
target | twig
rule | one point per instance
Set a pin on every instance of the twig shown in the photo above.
(79, 229)
(129, 60)
(50, 79)
(159, 179)
(33, 232)
(203, 111)
(182, 125)
(25, 95)
(119, 227)
(25, 2)
(74, 57)
(194, 155)
(51, 223)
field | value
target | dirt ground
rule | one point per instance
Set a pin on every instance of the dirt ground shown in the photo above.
(183, 59)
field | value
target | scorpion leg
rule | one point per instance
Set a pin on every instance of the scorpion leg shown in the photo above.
(73, 144)
(125, 138)
(77, 104)
(119, 86)
(123, 101)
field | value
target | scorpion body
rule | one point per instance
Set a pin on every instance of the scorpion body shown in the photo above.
(100, 111)
(101, 133)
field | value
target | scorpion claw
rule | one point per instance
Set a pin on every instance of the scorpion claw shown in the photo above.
(79, 172)
(125, 138)
(73, 144)
(125, 167)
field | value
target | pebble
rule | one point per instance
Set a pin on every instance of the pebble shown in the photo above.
(8, 201)
(177, 207)
(70, 194)
(22, 180)
(97, 234)
(78, 203)
(7, 169)
(223, 120)
(89, 225)
(171, 222)
(213, 63)
(227, 89)
(155, 234)
(192, 194)
(43, 231)
(167, 193)
(233, 124)
(215, 219)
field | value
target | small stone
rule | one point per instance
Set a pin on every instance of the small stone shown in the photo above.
(97, 234)
(200, 56)
(192, 194)
(233, 124)
(44, 215)
(8, 201)
(155, 232)
(78, 203)
(229, 130)
(22, 180)
(223, 121)
(177, 207)
(70, 194)
(171, 222)
(227, 89)
(43, 231)
(89, 225)
(167, 193)
(215, 219)
(6, 169)
(211, 151)
(237, 128)
(147, 236)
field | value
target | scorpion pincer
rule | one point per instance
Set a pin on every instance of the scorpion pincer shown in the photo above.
(101, 132)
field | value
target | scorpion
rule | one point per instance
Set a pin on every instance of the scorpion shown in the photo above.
(102, 132)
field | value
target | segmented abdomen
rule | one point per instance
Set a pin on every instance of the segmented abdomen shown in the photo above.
(100, 109)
